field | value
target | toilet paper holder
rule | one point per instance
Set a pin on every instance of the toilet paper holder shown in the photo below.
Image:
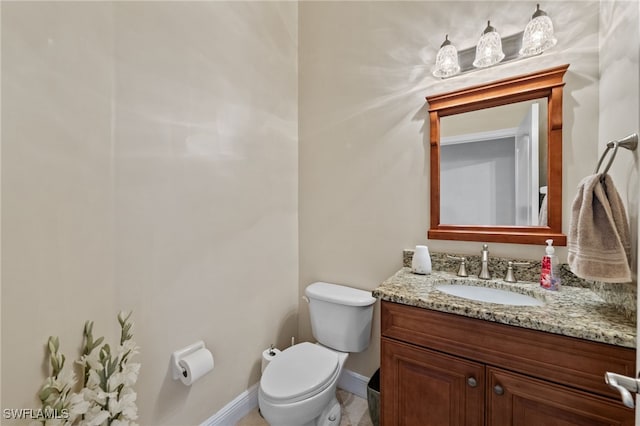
(176, 369)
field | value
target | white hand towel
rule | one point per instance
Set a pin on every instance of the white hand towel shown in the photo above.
(599, 241)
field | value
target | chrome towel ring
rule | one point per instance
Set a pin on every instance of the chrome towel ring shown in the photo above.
(629, 142)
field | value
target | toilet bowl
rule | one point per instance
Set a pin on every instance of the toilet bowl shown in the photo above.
(298, 387)
(300, 384)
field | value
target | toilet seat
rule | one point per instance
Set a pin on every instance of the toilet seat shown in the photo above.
(299, 372)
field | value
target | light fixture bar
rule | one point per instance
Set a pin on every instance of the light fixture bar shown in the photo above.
(511, 45)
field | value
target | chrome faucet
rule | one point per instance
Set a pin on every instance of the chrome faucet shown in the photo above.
(484, 272)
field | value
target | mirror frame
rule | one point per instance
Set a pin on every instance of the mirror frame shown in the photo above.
(548, 84)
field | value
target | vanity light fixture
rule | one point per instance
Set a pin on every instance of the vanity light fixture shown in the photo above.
(492, 49)
(489, 48)
(538, 34)
(447, 64)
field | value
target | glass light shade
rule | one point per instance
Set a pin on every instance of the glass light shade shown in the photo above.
(447, 64)
(538, 34)
(489, 48)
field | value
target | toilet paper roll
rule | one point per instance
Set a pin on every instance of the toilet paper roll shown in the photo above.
(195, 365)
(267, 356)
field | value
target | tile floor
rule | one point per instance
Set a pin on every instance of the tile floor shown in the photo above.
(355, 412)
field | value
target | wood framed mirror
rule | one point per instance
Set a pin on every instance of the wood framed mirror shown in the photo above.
(498, 182)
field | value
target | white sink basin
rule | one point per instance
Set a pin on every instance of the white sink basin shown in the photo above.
(491, 295)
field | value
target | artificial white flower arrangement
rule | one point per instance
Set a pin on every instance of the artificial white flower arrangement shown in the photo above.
(107, 397)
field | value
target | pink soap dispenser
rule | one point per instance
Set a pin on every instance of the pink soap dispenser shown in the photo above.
(549, 274)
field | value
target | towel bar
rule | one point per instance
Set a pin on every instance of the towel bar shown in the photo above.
(630, 142)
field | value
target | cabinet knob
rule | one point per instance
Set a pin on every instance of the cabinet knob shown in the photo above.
(471, 381)
(499, 390)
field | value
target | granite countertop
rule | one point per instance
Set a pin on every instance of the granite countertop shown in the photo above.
(572, 311)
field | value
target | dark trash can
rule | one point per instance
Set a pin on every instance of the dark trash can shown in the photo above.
(373, 397)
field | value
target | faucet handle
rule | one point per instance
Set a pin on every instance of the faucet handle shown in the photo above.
(462, 270)
(485, 253)
(510, 277)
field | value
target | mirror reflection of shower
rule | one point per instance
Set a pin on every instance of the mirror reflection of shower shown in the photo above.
(493, 166)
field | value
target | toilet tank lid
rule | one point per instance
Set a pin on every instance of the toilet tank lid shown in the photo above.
(339, 294)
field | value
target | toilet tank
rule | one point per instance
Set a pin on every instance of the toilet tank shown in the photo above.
(340, 316)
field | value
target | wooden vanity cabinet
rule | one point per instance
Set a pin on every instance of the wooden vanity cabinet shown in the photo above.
(515, 399)
(440, 369)
(423, 387)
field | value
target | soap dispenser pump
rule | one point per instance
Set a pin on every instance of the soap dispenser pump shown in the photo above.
(549, 274)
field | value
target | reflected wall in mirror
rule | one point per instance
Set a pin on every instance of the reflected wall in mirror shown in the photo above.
(493, 165)
(496, 161)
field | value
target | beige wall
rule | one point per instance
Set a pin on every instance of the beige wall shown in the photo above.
(620, 100)
(57, 191)
(364, 73)
(149, 164)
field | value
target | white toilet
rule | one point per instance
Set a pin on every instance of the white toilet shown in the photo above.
(298, 388)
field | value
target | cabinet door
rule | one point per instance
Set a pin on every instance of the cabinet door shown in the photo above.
(517, 400)
(420, 387)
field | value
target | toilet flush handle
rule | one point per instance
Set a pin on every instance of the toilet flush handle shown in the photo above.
(305, 298)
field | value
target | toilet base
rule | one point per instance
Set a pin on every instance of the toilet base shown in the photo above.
(331, 415)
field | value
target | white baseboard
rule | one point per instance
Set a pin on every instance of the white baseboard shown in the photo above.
(231, 413)
(354, 383)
